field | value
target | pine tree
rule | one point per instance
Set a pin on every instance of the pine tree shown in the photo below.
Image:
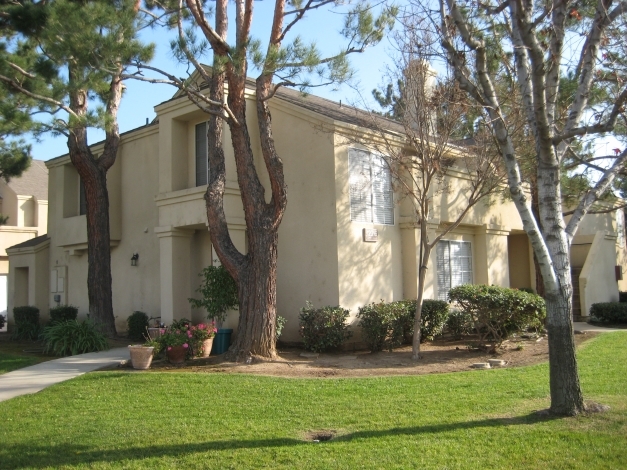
(66, 56)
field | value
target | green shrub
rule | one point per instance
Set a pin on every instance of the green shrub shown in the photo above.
(26, 323)
(323, 328)
(432, 318)
(137, 324)
(280, 323)
(496, 312)
(63, 313)
(388, 325)
(218, 291)
(70, 338)
(609, 312)
(622, 296)
(2, 321)
(382, 325)
(459, 324)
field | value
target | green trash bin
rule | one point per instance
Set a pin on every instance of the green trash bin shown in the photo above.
(222, 341)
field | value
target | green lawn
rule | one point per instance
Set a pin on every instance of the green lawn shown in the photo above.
(478, 419)
(9, 362)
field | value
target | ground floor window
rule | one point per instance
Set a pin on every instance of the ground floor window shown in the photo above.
(454, 265)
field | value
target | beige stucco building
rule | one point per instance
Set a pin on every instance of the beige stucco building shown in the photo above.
(24, 202)
(329, 253)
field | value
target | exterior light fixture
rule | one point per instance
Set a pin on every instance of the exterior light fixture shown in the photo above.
(134, 259)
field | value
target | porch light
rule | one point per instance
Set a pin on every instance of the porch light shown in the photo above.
(134, 259)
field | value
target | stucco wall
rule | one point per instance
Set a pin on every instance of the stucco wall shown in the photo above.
(597, 282)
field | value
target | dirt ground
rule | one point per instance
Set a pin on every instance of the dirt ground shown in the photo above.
(442, 355)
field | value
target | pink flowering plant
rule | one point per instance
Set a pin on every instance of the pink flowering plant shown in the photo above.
(191, 337)
(200, 333)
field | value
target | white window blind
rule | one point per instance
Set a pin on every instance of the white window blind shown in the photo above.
(454, 265)
(371, 194)
(202, 173)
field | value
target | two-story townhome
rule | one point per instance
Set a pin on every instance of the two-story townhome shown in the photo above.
(24, 210)
(344, 240)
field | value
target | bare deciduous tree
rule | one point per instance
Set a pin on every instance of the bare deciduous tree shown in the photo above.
(558, 54)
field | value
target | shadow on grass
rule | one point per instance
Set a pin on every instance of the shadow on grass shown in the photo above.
(40, 456)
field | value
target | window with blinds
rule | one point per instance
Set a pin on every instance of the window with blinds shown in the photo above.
(371, 193)
(454, 265)
(202, 156)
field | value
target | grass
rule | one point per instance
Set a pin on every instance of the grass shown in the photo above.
(478, 419)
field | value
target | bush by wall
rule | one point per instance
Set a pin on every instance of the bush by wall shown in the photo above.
(62, 313)
(2, 321)
(26, 323)
(323, 328)
(389, 325)
(496, 312)
(609, 312)
(459, 324)
(137, 324)
(432, 318)
(70, 337)
(622, 296)
(382, 325)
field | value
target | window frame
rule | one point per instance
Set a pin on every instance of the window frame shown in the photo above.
(371, 195)
(205, 158)
(464, 276)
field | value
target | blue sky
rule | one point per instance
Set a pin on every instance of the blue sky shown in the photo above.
(321, 27)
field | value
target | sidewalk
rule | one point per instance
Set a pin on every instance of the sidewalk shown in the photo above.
(35, 378)
(583, 326)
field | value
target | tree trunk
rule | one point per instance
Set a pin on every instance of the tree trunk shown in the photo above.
(566, 395)
(256, 335)
(99, 252)
(422, 274)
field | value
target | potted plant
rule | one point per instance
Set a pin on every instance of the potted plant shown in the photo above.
(142, 354)
(201, 337)
(175, 342)
(219, 294)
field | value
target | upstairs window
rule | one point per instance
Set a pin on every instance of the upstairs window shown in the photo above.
(454, 265)
(202, 155)
(371, 194)
(82, 199)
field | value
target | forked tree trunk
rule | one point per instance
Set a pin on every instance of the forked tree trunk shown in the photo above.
(256, 335)
(99, 289)
(99, 252)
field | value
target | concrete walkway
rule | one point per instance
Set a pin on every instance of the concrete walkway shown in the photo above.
(35, 378)
(583, 326)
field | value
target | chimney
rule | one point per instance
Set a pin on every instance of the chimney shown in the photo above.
(420, 80)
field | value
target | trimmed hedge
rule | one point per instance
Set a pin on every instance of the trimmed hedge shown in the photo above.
(609, 312)
(26, 323)
(497, 312)
(432, 318)
(62, 313)
(622, 296)
(382, 325)
(459, 324)
(389, 325)
(323, 328)
(137, 324)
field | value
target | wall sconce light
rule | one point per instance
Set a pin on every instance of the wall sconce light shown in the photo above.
(134, 259)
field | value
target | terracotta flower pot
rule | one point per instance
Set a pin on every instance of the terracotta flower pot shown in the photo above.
(206, 347)
(141, 356)
(176, 354)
